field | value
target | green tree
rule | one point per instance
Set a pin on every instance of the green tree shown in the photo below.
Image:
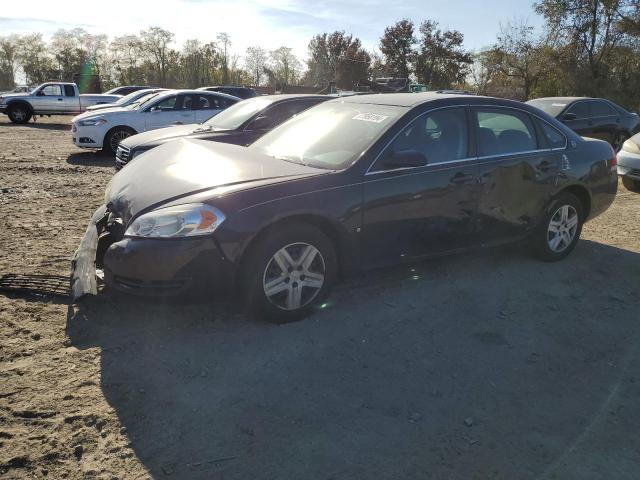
(397, 47)
(441, 61)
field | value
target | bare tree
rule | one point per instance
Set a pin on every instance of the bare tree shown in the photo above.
(225, 41)
(155, 42)
(255, 61)
(286, 66)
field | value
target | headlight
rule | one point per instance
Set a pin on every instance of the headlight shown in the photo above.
(631, 147)
(92, 122)
(174, 222)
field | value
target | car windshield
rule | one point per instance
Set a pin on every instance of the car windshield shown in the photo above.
(131, 97)
(141, 101)
(237, 114)
(331, 135)
(551, 107)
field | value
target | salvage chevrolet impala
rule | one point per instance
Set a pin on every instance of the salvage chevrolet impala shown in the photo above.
(353, 183)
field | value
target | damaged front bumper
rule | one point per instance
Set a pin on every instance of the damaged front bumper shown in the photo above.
(83, 264)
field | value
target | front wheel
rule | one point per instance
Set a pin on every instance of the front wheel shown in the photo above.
(113, 138)
(631, 184)
(289, 272)
(560, 230)
(19, 114)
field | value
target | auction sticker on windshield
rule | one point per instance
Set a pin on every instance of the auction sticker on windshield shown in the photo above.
(371, 117)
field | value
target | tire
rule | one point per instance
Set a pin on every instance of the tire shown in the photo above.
(114, 137)
(618, 140)
(631, 184)
(289, 301)
(19, 113)
(566, 213)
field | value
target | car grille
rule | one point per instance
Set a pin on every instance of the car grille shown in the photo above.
(123, 155)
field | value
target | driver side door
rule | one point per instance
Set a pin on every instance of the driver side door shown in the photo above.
(49, 99)
(422, 210)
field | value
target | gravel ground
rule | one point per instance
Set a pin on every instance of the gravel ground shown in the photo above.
(483, 366)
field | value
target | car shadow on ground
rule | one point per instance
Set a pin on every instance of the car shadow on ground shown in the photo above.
(483, 366)
(43, 126)
(91, 159)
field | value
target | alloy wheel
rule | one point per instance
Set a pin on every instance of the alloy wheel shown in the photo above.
(562, 228)
(294, 276)
(117, 137)
(19, 114)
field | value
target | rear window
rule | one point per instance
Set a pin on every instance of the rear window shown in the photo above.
(554, 137)
(601, 109)
(550, 107)
(502, 131)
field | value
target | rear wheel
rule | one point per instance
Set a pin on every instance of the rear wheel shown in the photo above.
(558, 234)
(113, 138)
(289, 272)
(631, 184)
(19, 113)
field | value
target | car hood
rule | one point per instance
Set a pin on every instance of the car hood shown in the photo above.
(99, 113)
(161, 135)
(6, 96)
(184, 167)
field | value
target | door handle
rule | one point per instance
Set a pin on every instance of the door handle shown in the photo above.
(460, 178)
(59, 99)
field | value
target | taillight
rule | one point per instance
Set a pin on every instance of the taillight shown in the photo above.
(613, 162)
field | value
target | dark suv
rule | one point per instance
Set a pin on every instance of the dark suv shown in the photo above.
(592, 117)
(240, 92)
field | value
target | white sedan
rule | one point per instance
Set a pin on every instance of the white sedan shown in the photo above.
(105, 129)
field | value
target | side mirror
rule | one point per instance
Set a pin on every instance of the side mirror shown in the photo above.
(40, 93)
(406, 159)
(260, 123)
(568, 117)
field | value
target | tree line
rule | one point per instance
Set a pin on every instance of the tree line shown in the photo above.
(587, 47)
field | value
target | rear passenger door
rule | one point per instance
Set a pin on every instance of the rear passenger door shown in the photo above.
(209, 105)
(71, 100)
(410, 212)
(517, 169)
(172, 110)
(605, 120)
(578, 118)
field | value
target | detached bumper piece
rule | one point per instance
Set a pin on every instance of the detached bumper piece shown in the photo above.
(83, 264)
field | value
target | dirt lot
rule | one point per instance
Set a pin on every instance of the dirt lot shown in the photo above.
(490, 366)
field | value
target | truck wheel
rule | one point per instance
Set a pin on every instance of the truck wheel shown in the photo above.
(560, 229)
(19, 113)
(113, 138)
(289, 272)
(631, 184)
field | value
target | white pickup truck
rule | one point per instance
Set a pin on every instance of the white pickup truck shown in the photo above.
(51, 98)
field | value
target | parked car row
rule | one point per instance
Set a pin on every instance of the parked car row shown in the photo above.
(344, 185)
(105, 129)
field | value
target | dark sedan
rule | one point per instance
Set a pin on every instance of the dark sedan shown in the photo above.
(240, 124)
(354, 183)
(592, 117)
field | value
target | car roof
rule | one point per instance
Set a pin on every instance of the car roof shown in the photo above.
(413, 99)
(195, 92)
(563, 99)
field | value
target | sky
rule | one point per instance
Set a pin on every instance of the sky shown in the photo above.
(267, 23)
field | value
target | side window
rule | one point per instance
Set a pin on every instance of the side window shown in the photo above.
(166, 105)
(600, 109)
(502, 131)
(205, 102)
(52, 90)
(69, 91)
(441, 136)
(555, 139)
(223, 102)
(580, 109)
